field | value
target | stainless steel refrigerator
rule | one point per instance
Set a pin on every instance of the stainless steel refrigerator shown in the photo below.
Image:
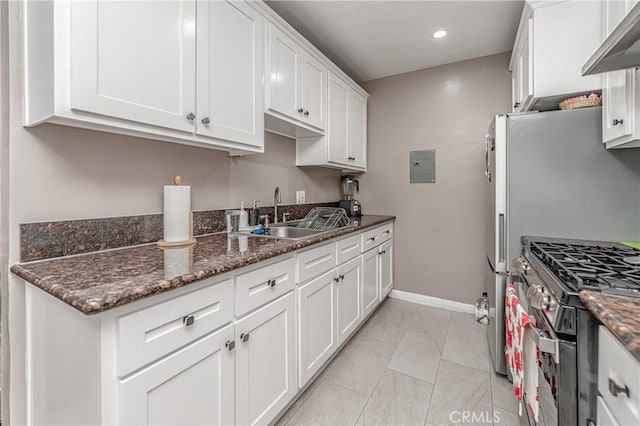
(549, 174)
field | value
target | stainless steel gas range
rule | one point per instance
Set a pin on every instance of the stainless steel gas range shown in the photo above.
(548, 277)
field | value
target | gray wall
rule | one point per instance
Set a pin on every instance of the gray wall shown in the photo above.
(63, 173)
(440, 240)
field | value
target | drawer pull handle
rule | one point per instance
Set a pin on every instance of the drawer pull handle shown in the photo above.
(387, 232)
(244, 337)
(342, 277)
(383, 252)
(230, 344)
(188, 320)
(271, 283)
(372, 239)
(336, 279)
(616, 122)
(616, 389)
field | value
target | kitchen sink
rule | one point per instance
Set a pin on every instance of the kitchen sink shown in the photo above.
(290, 231)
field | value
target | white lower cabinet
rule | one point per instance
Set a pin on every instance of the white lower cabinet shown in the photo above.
(317, 339)
(349, 300)
(386, 268)
(265, 362)
(192, 386)
(232, 349)
(370, 279)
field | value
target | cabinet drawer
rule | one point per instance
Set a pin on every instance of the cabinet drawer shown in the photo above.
(370, 239)
(386, 232)
(151, 333)
(314, 262)
(617, 364)
(349, 248)
(263, 285)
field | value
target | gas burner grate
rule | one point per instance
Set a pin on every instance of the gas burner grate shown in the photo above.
(596, 266)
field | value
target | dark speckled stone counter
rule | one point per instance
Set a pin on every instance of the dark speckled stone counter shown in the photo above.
(620, 314)
(99, 281)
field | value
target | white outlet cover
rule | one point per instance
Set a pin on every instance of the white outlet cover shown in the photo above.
(300, 197)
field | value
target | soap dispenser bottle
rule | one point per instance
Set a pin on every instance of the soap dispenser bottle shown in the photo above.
(254, 214)
(244, 217)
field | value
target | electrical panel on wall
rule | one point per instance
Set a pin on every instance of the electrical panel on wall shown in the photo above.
(422, 166)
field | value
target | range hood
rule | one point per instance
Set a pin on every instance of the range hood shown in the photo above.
(620, 50)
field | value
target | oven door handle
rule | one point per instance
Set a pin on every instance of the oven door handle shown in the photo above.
(546, 342)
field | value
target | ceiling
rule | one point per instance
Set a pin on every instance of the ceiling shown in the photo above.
(374, 39)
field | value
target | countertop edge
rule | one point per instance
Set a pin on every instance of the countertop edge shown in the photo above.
(615, 320)
(92, 306)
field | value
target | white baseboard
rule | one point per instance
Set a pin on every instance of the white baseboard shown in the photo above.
(434, 302)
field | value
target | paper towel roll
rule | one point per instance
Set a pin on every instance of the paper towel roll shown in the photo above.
(177, 207)
(177, 262)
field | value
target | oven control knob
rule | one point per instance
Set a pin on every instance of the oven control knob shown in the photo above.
(520, 265)
(533, 291)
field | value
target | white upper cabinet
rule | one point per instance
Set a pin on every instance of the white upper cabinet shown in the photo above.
(283, 93)
(620, 127)
(297, 86)
(345, 144)
(230, 72)
(314, 91)
(548, 54)
(338, 133)
(357, 130)
(180, 71)
(135, 61)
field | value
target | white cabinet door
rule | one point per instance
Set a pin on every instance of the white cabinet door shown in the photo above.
(283, 79)
(317, 338)
(370, 281)
(386, 268)
(230, 72)
(314, 91)
(265, 362)
(338, 128)
(525, 69)
(194, 386)
(349, 298)
(618, 87)
(135, 60)
(357, 130)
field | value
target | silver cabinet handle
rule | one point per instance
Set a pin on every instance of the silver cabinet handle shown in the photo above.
(383, 252)
(271, 283)
(191, 116)
(372, 238)
(336, 279)
(244, 337)
(616, 122)
(206, 121)
(341, 277)
(188, 320)
(516, 105)
(306, 113)
(230, 344)
(300, 110)
(616, 389)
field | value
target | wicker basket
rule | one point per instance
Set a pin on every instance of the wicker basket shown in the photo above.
(581, 102)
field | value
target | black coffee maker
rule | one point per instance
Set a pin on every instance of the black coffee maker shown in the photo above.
(350, 185)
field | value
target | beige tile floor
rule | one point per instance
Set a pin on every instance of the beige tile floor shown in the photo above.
(409, 365)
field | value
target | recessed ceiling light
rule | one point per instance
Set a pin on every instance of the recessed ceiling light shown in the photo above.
(440, 34)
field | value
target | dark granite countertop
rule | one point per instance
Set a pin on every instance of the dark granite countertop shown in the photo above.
(620, 314)
(98, 281)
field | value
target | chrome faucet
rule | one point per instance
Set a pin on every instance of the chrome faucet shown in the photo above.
(276, 199)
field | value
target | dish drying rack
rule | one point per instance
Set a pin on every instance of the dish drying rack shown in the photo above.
(325, 219)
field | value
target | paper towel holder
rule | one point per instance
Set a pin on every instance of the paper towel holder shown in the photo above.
(177, 181)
